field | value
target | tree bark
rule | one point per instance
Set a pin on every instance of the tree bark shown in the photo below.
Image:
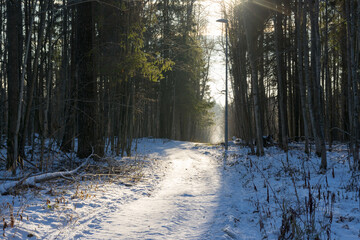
(329, 107)
(70, 113)
(281, 81)
(86, 78)
(33, 75)
(251, 38)
(316, 69)
(299, 28)
(309, 86)
(353, 81)
(14, 31)
(2, 73)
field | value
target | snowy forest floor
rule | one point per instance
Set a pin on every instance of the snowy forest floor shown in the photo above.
(183, 190)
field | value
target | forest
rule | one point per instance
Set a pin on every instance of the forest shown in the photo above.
(103, 73)
(295, 68)
(108, 110)
(100, 73)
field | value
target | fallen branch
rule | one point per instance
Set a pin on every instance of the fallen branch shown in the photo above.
(32, 181)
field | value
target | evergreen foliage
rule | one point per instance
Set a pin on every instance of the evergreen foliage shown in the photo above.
(99, 74)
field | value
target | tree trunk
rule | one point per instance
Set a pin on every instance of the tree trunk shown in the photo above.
(86, 78)
(352, 80)
(49, 69)
(251, 38)
(64, 96)
(329, 106)
(299, 28)
(70, 113)
(33, 75)
(2, 74)
(14, 30)
(281, 81)
(316, 69)
(309, 86)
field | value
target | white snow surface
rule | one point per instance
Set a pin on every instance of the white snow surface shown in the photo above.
(188, 191)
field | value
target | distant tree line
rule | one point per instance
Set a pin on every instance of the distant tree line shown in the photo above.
(99, 74)
(295, 68)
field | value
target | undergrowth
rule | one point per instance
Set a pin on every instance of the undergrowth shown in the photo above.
(305, 200)
(10, 215)
(63, 196)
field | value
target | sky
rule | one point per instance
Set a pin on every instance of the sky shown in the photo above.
(215, 31)
(217, 69)
(213, 12)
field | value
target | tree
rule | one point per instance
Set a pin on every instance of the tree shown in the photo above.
(238, 49)
(281, 78)
(300, 22)
(300, 74)
(183, 99)
(318, 94)
(71, 86)
(14, 32)
(85, 73)
(254, 20)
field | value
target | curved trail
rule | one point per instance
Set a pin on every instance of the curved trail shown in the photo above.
(182, 207)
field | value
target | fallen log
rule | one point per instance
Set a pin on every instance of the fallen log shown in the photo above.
(32, 181)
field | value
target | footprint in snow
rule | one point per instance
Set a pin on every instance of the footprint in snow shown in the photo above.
(187, 195)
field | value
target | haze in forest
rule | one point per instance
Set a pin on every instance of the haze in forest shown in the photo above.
(93, 76)
(110, 105)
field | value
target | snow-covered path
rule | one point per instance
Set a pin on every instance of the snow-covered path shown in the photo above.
(187, 193)
(182, 207)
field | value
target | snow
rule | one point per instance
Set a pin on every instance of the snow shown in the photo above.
(187, 191)
(181, 207)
